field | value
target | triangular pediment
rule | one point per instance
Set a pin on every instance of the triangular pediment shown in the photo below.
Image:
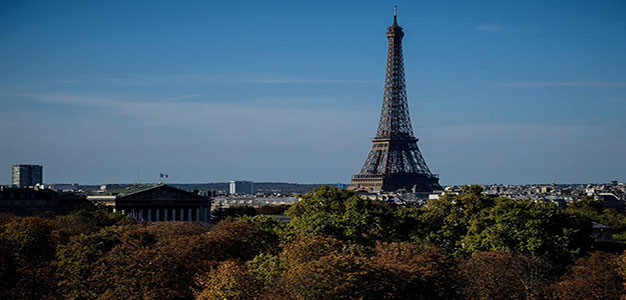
(160, 192)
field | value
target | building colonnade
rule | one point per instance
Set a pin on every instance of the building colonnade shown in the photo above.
(164, 214)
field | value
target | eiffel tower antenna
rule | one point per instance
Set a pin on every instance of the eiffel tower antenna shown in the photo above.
(395, 14)
(395, 161)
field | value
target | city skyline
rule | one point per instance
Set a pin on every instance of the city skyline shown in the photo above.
(499, 92)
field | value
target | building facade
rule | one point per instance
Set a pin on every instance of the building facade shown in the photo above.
(26, 175)
(241, 187)
(36, 201)
(155, 203)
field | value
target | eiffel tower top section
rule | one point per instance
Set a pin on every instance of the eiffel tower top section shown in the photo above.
(395, 121)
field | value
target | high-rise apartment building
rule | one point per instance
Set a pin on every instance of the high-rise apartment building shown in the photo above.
(26, 175)
(241, 187)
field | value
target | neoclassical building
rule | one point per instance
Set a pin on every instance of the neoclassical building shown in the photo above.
(155, 203)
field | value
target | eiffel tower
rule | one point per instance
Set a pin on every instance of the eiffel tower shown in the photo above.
(395, 162)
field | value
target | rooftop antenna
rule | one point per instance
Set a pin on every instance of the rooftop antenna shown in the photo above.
(395, 13)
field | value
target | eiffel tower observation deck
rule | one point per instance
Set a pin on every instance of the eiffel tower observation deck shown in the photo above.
(394, 161)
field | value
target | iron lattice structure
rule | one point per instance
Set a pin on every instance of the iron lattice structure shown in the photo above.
(394, 161)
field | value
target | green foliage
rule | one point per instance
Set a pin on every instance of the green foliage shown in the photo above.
(224, 213)
(593, 210)
(77, 261)
(341, 214)
(84, 221)
(272, 209)
(337, 246)
(445, 221)
(530, 228)
(272, 229)
(266, 269)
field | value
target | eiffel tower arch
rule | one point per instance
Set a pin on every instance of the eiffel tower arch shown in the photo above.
(395, 161)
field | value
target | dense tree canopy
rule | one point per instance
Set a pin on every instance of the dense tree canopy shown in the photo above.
(338, 245)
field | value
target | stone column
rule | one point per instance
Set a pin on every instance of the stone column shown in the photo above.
(149, 215)
(173, 214)
(197, 214)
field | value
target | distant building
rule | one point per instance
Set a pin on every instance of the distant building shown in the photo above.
(26, 175)
(38, 201)
(155, 203)
(610, 200)
(241, 187)
(601, 232)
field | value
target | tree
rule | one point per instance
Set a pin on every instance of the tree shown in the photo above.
(531, 228)
(224, 213)
(8, 270)
(229, 281)
(310, 247)
(30, 249)
(78, 260)
(134, 270)
(595, 277)
(341, 214)
(593, 210)
(409, 271)
(273, 229)
(6, 218)
(445, 221)
(272, 209)
(500, 275)
(587, 203)
(238, 240)
(333, 276)
(266, 268)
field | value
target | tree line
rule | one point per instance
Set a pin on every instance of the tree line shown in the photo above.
(337, 245)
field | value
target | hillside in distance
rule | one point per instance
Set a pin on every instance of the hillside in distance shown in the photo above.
(262, 187)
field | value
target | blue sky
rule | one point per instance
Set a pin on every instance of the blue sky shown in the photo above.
(499, 91)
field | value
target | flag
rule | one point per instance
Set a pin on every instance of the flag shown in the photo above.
(164, 175)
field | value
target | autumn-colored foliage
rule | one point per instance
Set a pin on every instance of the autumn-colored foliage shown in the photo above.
(229, 280)
(594, 277)
(501, 275)
(337, 246)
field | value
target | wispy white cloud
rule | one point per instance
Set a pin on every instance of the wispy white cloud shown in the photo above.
(489, 27)
(565, 83)
(620, 23)
(196, 139)
(178, 79)
(77, 99)
(181, 98)
(313, 81)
